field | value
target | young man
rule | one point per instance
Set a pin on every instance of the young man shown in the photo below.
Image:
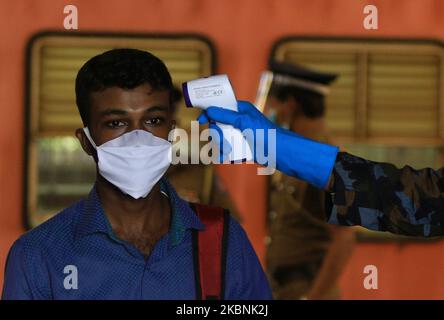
(132, 237)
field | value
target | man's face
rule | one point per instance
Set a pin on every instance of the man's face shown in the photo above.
(283, 110)
(115, 111)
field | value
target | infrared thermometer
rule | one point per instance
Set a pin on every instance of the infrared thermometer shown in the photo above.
(216, 91)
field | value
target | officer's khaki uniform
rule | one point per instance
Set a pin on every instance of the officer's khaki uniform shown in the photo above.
(299, 237)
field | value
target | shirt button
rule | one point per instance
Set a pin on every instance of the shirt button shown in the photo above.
(273, 215)
(291, 189)
(267, 241)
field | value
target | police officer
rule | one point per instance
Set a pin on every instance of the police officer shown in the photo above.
(305, 255)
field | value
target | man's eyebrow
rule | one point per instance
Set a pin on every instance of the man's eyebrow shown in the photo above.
(157, 108)
(109, 112)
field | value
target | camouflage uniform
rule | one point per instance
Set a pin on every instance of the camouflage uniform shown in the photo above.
(381, 197)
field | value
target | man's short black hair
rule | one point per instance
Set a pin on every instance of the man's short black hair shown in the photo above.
(311, 103)
(176, 97)
(123, 68)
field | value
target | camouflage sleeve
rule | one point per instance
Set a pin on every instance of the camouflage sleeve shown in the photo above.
(381, 197)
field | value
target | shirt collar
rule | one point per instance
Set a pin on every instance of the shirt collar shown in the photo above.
(183, 217)
(93, 219)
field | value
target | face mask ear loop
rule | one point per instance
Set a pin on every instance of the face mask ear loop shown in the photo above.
(88, 135)
(171, 135)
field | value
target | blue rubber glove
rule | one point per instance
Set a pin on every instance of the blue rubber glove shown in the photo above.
(296, 156)
(224, 147)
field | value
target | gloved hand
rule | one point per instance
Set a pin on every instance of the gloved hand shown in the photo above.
(295, 155)
(223, 146)
(244, 107)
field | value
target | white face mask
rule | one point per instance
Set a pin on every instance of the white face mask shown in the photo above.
(133, 162)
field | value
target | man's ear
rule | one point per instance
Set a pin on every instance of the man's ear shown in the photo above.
(84, 142)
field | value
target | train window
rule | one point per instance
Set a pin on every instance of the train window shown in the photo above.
(57, 172)
(387, 104)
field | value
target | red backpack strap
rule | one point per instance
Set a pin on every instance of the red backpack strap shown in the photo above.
(210, 252)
